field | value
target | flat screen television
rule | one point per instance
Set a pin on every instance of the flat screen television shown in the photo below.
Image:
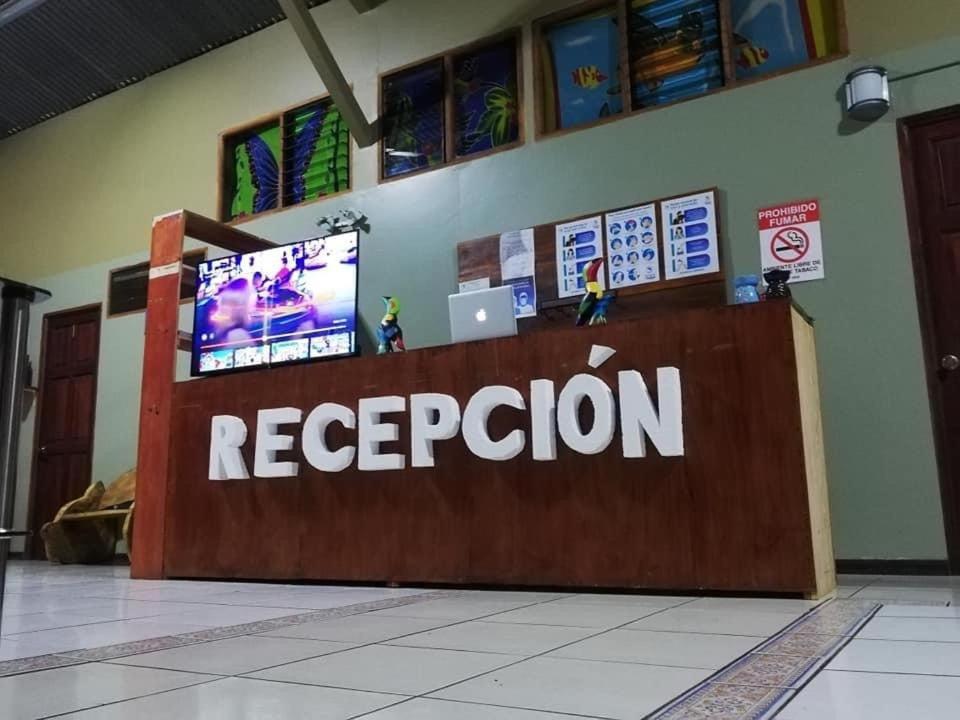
(288, 304)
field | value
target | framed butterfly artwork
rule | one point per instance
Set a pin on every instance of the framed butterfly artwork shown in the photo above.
(298, 155)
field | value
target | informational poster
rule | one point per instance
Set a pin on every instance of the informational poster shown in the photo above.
(524, 296)
(790, 239)
(517, 269)
(578, 243)
(633, 256)
(690, 244)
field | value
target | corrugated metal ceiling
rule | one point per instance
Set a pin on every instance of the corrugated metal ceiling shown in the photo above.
(58, 54)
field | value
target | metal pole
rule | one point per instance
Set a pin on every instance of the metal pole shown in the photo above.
(14, 326)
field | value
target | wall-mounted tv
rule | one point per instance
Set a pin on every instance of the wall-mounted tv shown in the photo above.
(288, 304)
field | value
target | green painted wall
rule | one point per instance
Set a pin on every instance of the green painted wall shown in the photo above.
(110, 166)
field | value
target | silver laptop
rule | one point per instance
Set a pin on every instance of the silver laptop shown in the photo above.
(482, 314)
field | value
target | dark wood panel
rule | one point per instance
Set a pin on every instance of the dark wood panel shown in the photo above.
(224, 236)
(930, 159)
(67, 410)
(480, 258)
(732, 514)
(159, 372)
(63, 476)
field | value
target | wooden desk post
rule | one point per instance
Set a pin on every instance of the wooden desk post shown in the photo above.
(162, 339)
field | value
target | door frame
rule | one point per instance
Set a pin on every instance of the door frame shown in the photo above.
(949, 491)
(32, 544)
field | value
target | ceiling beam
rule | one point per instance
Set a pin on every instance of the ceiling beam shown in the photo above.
(363, 6)
(365, 133)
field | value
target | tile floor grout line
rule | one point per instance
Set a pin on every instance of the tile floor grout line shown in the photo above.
(128, 599)
(380, 642)
(139, 697)
(66, 653)
(890, 672)
(300, 683)
(20, 636)
(206, 673)
(718, 634)
(425, 695)
(907, 640)
(496, 705)
(215, 677)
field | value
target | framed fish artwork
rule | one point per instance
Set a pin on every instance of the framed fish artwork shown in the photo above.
(772, 35)
(581, 70)
(251, 173)
(413, 119)
(316, 153)
(675, 50)
(486, 98)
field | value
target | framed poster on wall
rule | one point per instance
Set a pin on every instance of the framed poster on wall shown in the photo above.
(578, 243)
(632, 248)
(690, 240)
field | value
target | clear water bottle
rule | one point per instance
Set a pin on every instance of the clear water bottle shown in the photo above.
(746, 289)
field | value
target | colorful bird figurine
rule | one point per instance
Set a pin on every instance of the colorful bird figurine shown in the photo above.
(593, 307)
(389, 334)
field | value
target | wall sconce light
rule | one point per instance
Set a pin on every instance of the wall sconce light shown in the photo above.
(868, 93)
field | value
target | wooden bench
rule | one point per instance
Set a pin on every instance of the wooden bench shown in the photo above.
(86, 530)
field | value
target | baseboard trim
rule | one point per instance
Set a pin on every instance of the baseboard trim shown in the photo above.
(893, 567)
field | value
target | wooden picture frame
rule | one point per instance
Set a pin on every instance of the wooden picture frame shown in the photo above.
(449, 151)
(279, 117)
(540, 25)
(381, 111)
(514, 35)
(730, 81)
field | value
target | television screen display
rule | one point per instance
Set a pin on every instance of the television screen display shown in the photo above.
(287, 304)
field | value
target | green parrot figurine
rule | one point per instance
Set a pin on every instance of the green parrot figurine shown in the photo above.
(389, 334)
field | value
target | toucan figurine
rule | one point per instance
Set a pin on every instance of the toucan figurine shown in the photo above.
(593, 307)
(389, 334)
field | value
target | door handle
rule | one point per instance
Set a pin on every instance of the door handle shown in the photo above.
(950, 363)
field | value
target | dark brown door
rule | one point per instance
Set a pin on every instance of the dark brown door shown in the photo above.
(930, 149)
(65, 416)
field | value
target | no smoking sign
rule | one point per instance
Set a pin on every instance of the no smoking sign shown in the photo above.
(790, 239)
(790, 245)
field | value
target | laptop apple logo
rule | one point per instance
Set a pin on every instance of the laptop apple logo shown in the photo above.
(481, 315)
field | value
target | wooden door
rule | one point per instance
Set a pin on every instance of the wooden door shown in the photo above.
(930, 151)
(65, 414)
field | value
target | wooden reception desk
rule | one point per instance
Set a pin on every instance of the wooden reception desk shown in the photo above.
(744, 509)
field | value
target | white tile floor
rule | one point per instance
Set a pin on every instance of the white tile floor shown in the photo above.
(465, 656)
